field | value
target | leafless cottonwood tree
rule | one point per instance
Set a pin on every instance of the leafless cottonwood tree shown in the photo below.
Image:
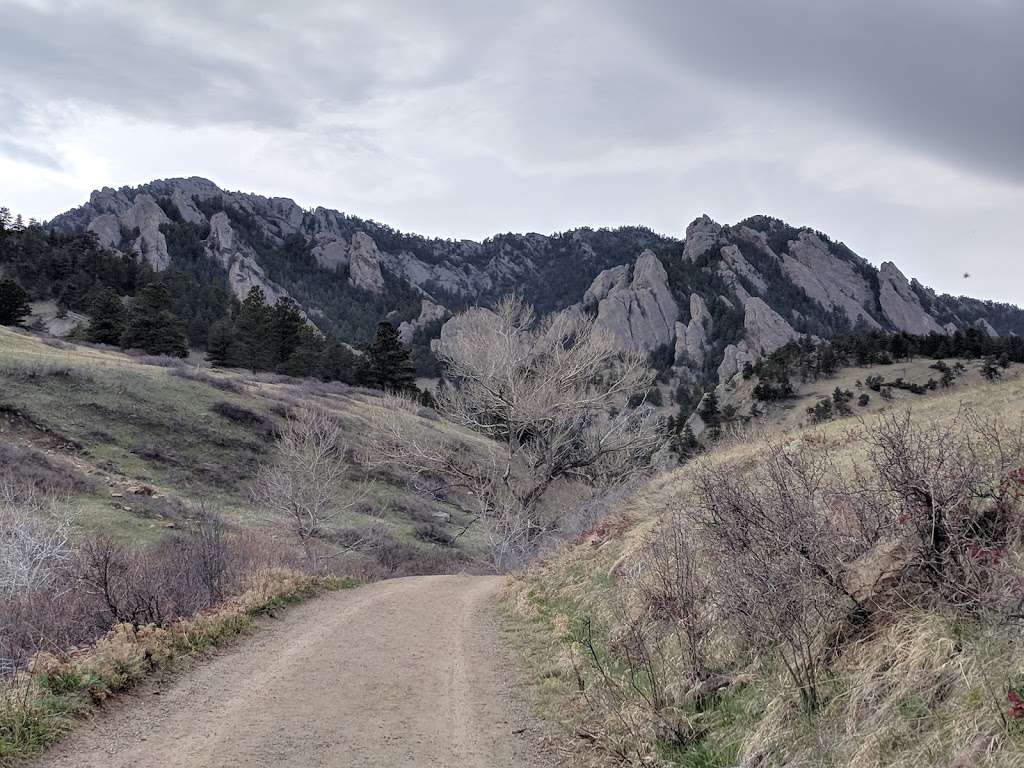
(35, 536)
(550, 394)
(305, 484)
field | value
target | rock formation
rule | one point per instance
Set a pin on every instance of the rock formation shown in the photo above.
(364, 264)
(429, 313)
(635, 305)
(901, 305)
(786, 280)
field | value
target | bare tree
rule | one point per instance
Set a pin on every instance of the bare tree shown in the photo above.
(550, 395)
(35, 534)
(306, 483)
(35, 545)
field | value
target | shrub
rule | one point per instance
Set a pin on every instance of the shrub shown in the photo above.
(434, 534)
(160, 361)
(796, 561)
(242, 415)
(33, 372)
(197, 374)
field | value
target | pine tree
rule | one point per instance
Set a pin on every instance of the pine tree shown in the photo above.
(709, 411)
(13, 303)
(338, 363)
(252, 347)
(108, 318)
(287, 325)
(684, 443)
(152, 327)
(990, 369)
(304, 359)
(219, 341)
(389, 366)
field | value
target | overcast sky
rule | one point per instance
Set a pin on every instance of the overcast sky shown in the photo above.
(896, 126)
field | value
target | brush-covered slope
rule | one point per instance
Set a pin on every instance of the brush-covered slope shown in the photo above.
(690, 630)
(141, 445)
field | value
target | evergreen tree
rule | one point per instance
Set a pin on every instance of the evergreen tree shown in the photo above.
(388, 364)
(990, 369)
(108, 317)
(219, 341)
(13, 303)
(709, 411)
(305, 357)
(152, 327)
(338, 363)
(253, 346)
(684, 443)
(287, 329)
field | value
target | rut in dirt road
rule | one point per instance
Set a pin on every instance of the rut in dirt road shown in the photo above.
(409, 672)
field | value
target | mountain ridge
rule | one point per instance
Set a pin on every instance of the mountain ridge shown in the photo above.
(703, 305)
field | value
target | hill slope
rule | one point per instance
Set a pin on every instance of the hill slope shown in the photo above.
(140, 444)
(659, 641)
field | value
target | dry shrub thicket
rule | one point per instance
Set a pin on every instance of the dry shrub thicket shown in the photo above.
(57, 593)
(84, 617)
(872, 587)
(548, 393)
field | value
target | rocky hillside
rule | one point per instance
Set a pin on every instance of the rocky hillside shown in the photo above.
(702, 307)
(348, 272)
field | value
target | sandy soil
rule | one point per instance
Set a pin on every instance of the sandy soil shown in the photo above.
(409, 672)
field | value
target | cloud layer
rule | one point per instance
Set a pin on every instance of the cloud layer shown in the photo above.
(895, 126)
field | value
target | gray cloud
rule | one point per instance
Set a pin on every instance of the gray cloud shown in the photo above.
(29, 154)
(884, 123)
(939, 76)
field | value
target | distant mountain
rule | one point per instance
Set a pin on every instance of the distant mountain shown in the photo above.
(702, 306)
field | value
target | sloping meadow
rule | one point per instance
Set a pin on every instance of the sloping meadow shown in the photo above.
(849, 595)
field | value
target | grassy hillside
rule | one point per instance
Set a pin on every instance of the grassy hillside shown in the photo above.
(637, 636)
(138, 443)
(792, 414)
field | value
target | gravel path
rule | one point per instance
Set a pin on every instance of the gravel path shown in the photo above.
(408, 672)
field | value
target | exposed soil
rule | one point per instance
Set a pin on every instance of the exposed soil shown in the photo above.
(408, 672)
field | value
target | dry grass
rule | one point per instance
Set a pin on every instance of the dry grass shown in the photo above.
(190, 433)
(926, 686)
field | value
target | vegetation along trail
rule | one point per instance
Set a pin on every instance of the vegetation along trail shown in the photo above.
(407, 672)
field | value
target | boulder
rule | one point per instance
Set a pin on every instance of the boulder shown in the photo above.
(107, 228)
(244, 272)
(735, 265)
(984, 325)
(614, 279)
(186, 207)
(765, 330)
(330, 251)
(734, 358)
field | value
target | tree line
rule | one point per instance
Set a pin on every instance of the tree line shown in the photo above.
(166, 313)
(807, 359)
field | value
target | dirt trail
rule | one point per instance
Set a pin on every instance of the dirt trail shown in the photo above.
(409, 672)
